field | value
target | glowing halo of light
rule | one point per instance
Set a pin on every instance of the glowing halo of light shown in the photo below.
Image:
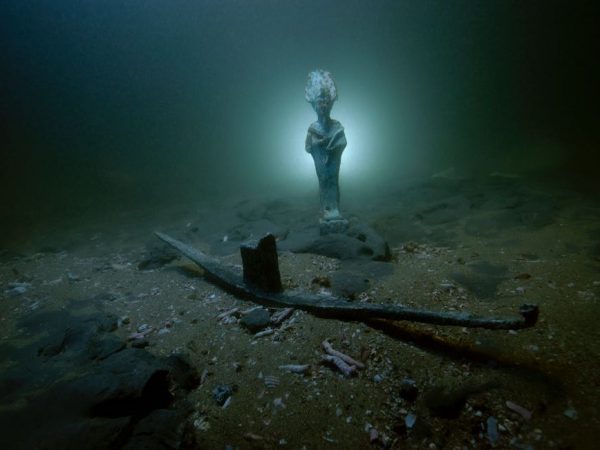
(375, 128)
(297, 166)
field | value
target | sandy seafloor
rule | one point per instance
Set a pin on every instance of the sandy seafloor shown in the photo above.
(480, 245)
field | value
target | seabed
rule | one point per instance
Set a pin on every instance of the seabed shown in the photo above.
(89, 296)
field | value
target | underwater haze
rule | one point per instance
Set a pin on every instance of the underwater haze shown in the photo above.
(303, 224)
(109, 105)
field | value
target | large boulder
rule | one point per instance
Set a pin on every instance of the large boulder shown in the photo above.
(360, 241)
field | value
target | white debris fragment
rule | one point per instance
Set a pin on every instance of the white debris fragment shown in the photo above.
(296, 368)
(281, 315)
(347, 359)
(15, 289)
(271, 381)
(525, 413)
(373, 435)
(340, 364)
(262, 333)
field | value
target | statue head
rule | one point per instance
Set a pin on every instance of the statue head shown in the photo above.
(320, 91)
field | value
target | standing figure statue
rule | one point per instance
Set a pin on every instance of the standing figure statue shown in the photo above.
(326, 141)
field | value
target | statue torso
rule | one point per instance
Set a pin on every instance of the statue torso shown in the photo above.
(330, 140)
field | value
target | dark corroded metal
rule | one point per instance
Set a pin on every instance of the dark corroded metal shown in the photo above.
(231, 280)
(261, 265)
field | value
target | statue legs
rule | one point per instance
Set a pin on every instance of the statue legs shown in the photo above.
(328, 168)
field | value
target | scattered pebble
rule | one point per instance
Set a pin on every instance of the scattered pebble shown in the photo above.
(72, 276)
(571, 413)
(17, 290)
(278, 403)
(256, 319)
(492, 430)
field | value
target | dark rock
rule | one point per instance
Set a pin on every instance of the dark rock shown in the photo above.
(131, 382)
(360, 242)
(182, 372)
(448, 402)
(222, 392)
(74, 338)
(97, 433)
(333, 226)
(421, 429)
(409, 389)
(140, 343)
(399, 428)
(256, 320)
(157, 255)
(379, 249)
(161, 429)
(84, 388)
(321, 281)
(445, 402)
(338, 246)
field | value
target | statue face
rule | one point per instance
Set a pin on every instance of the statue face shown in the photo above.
(323, 105)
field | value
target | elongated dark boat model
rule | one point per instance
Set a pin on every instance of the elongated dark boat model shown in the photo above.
(261, 284)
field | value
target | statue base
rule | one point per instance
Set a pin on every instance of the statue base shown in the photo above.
(329, 226)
